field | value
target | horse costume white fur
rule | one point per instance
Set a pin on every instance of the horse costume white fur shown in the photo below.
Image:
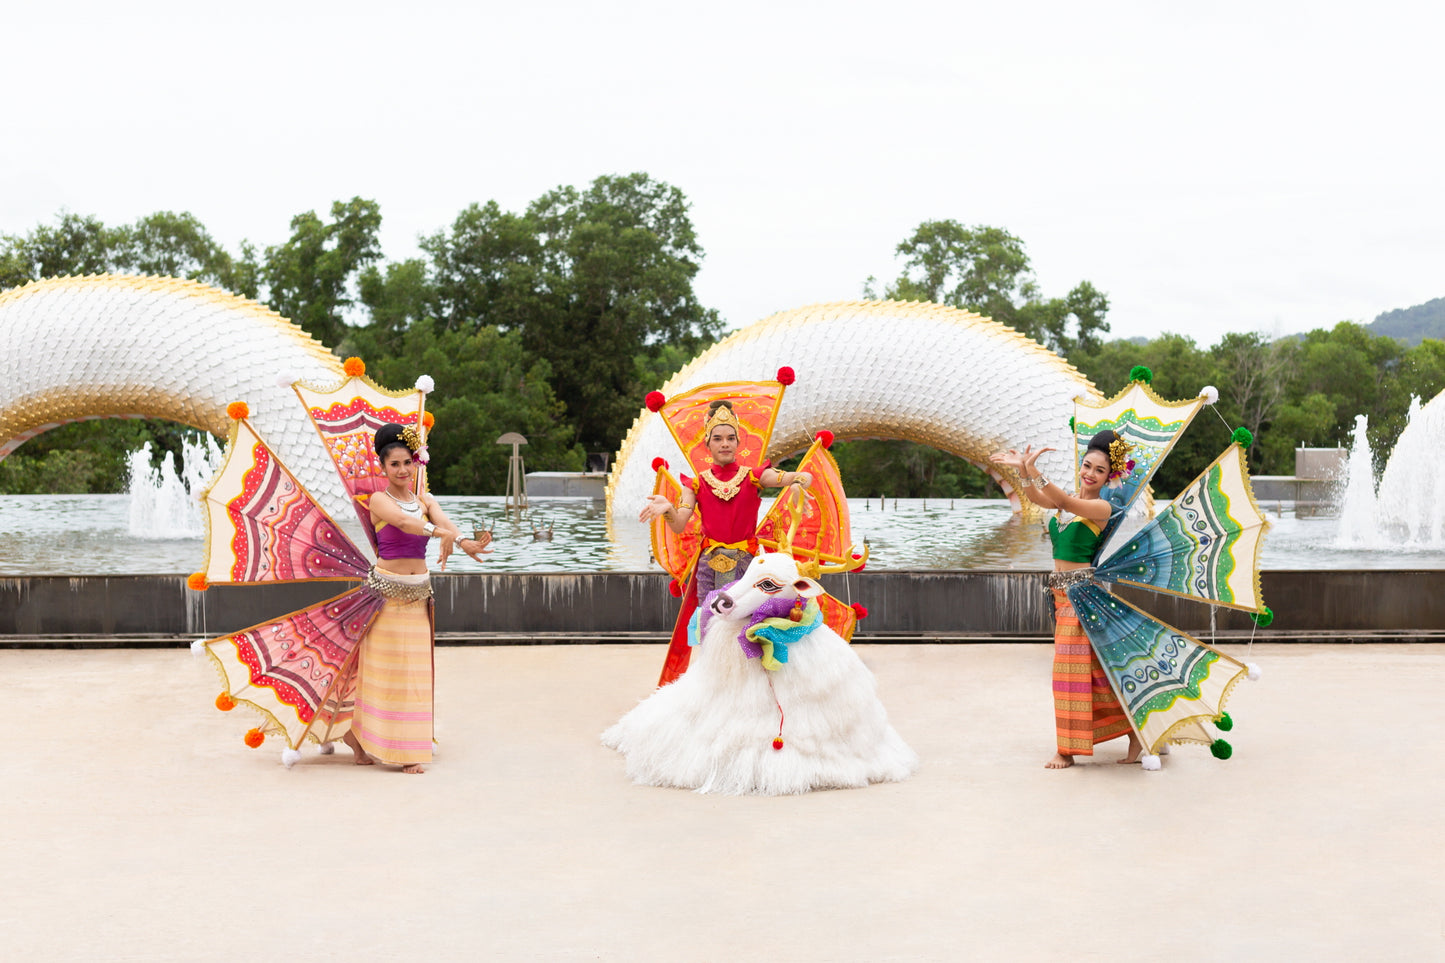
(731, 726)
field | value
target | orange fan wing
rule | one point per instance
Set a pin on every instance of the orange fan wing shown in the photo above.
(675, 552)
(754, 402)
(815, 528)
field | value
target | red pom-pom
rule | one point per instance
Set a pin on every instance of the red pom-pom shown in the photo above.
(224, 702)
(196, 582)
(237, 410)
(427, 420)
(659, 463)
(655, 400)
(354, 367)
(826, 437)
(778, 743)
(675, 587)
(254, 738)
(860, 611)
(860, 567)
(786, 375)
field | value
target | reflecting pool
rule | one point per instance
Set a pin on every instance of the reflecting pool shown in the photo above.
(90, 535)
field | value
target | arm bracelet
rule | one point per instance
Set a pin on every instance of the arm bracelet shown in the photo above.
(429, 529)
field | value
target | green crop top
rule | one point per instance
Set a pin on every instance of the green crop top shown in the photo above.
(1078, 541)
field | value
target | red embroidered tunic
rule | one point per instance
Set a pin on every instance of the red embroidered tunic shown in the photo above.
(734, 520)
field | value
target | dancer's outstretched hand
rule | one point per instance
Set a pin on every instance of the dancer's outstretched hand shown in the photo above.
(655, 507)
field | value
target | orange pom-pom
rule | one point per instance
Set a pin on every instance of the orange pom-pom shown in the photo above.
(354, 367)
(860, 611)
(237, 410)
(224, 702)
(826, 437)
(255, 737)
(675, 587)
(196, 582)
(427, 420)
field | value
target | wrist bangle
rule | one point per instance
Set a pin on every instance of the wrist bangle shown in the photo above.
(1042, 482)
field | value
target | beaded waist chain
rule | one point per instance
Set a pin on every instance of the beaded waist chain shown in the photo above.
(1065, 580)
(397, 587)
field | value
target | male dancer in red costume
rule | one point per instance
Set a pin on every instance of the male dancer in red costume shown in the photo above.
(727, 498)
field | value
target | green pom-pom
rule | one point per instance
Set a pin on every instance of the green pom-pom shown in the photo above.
(1221, 749)
(1224, 723)
(1262, 619)
(1140, 373)
(1242, 437)
(1071, 425)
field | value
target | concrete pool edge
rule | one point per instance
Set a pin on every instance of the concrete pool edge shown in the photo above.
(633, 606)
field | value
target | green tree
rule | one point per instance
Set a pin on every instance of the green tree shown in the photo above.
(74, 245)
(985, 269)
(310, 278)
(591, 279)
(177, 245)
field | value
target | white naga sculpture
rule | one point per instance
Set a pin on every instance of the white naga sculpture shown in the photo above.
(913, 371)
(108, 346)
(76, 348)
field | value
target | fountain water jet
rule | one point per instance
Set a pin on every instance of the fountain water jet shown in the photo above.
(1408, 511)
(163, 501)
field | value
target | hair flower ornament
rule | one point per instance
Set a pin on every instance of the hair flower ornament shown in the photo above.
(1120, 464)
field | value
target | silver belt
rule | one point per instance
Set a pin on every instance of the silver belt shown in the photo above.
(1065, 580)
(398, 591)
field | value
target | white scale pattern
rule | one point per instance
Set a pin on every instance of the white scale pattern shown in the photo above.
(881, 369)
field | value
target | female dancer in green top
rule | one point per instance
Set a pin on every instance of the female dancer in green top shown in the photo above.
(1086, 710)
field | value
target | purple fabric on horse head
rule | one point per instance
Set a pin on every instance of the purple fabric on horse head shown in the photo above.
(773, 608)
(706, 612)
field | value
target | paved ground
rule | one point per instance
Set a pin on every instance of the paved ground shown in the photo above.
(134, 825)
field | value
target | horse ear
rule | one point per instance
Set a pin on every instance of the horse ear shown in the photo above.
(807, 588)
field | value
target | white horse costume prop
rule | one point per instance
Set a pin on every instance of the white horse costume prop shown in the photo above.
(775, 702)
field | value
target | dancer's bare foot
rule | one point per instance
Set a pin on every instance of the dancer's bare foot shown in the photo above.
(414, 769)
(1135, 747)
(1060, 761)
(362, 759)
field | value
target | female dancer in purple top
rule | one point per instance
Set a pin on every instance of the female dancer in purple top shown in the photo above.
(392, 720)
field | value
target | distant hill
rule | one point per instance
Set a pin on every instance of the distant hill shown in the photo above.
(1413, 325)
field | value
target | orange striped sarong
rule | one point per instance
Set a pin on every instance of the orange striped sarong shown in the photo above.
(1085, 708)
(394, 669)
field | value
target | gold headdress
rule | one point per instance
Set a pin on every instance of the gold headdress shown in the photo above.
(721, 414)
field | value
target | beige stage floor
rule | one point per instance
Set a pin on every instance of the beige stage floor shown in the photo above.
(136, 826)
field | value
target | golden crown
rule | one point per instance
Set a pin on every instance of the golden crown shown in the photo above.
(721, 415)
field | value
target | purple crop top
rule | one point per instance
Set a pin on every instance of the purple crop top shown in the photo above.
(392, 542)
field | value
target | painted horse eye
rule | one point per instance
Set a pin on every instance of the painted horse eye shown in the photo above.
(768, 585)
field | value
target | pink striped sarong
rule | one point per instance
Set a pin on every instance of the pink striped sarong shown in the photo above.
(394, 684)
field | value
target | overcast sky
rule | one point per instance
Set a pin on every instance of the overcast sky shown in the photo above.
(1212, 168)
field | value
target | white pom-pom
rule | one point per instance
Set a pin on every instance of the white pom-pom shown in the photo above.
(1209, 393)
(290, 757)
(198, 647)
(285, 379)
(425, 385)
(1150, 763)
(1254, 672)
(327, 748)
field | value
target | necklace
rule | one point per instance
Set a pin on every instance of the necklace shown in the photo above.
(724, 490)
(410, 507)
